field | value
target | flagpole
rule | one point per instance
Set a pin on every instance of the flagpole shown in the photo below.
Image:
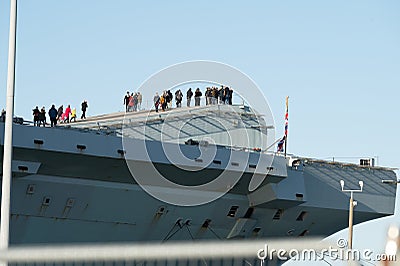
(7, 157)
(286, 122)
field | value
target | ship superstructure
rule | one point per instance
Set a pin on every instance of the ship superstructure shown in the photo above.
(79, 182)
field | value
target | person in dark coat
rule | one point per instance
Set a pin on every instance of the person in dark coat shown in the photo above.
(60, 112)
(197, 95)
(84, 107)
(36, 113)
(167, 99)
(230, 96)
(226, 95)
(53, 116)
(189, 95)
(178, 98)
(3, 116)
(42, 117)
(126, 100)
(170, 97)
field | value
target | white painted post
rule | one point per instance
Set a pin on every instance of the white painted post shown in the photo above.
(7, 157)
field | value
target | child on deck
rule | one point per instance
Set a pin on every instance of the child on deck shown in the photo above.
(73, 115)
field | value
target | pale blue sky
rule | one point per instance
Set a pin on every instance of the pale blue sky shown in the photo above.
(339, 61)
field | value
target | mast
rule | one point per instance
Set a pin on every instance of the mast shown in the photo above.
(7, 158)
(286, 122)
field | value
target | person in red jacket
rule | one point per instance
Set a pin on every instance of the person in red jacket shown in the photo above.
(67, 113)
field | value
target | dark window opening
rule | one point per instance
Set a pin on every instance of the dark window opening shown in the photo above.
(38, 141)
(232, 211)
(299, 196)
(249, 212)
(81, 147)
(278, 214)
(30, 189)
(46, 201)
(23, 168)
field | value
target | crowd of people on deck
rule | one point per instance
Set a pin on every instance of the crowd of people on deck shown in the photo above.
(57, 115)
(213, 96)
(133, 102)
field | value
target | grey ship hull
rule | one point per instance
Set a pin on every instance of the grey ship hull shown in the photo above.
(62, 194)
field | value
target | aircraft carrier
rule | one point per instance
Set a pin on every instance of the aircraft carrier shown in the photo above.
(86, 181)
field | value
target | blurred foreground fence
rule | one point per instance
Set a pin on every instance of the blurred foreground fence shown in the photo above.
(177, 254)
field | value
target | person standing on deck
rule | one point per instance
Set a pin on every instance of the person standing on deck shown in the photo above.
(53, 116)
(60, 113)
(130, 103)
(42, 117)
(3, 116)
(178, 98)
(73, 115)
(197, 95)
(84, 106)
(140, 98)
(208, 95)
(170, 98)
(226, 95)
(221, 95)
(36, 113)
(126, 101)
(133, 102)
(189, 95)
(163, 101)
(214, 96)
(156, 101)
(67, 113)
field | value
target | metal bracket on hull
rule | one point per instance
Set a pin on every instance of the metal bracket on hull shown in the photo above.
(241, 228)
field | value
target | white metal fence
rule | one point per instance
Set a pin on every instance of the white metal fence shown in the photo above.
(195, 253)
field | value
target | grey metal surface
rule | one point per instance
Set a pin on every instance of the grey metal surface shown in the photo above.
(226, 124)
(69, 194)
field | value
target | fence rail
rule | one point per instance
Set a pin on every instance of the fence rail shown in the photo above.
(151, 252)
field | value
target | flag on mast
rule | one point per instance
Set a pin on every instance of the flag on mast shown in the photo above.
(286, 122)
(280, 144)
(283, 141)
